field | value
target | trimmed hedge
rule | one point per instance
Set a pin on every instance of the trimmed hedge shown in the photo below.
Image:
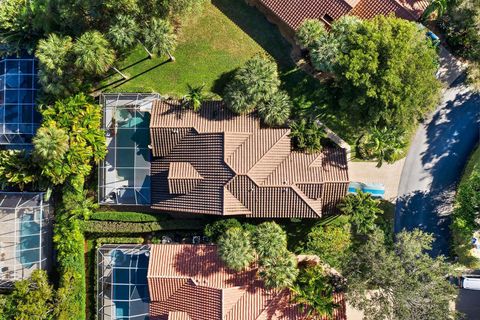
(126, 216)
(118, 240)
(117, 227)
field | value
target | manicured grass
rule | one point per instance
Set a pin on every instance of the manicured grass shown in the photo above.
(473, 161)
(210, 47)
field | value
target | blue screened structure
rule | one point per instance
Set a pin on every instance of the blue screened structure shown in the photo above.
(19, 118)
(124, 175)
(25, 237)
(122, 290)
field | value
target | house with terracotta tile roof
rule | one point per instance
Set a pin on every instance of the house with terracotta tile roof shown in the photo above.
(215, 162)
(190, 282)
(289, 14)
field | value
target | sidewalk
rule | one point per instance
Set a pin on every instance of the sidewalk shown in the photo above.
(450, 67)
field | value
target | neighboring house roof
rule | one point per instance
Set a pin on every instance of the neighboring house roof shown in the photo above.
(189, 282)
(294, 12)
(213, 162)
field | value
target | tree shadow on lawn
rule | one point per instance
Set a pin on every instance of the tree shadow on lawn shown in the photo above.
(254, 23)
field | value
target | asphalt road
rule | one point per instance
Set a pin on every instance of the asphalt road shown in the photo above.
(434, 165)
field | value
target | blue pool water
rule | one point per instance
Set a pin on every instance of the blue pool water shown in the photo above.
(129, 285)
(28, 246)
(375, 189)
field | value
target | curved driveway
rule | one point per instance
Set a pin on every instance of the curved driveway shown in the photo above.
(434, 165)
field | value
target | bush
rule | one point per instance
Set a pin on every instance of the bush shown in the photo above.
(280, 271)
(275, 110)
(118, 240)
(253, 83)
(214, 230)
(307, 135)
(309, 32)
(126, 216)
(117, 227)
(269, 240)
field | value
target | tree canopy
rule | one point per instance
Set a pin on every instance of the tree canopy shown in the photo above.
(235, 249)
(402, 282)
(363, 211)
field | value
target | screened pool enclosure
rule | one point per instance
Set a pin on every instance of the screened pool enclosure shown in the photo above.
(19, 118)
(124, 175)
(122, 290)
(25, 235)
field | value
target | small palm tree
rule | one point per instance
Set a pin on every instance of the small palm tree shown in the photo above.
(279, 271)
(314, 293)
(382, 145)
(194, 97)
(275, 110)
(309, 32)
(438, 6)
(159, 38)
(269, 240)
(93, 54)
(235, 249)
(50, 143)
(363, 211)
(307, 135)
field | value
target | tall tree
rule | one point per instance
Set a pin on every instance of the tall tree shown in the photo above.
(403, 283)
(269, 240)
(254, 82)
(93, 53)
(159, 38)
(235, 249)
(123, 34)
(363, 211)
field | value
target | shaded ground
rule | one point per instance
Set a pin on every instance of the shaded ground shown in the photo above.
(435, 163)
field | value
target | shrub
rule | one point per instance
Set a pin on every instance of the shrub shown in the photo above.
(214, 230)
(252, 83)
(363, 211)
(382, 145)
(269, 240)
(309, 32)
(279, 271)
(117, 227)
(17, 170)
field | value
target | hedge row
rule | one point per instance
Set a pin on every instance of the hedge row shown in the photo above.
(126, 216)
(117, 227)
(117, 240)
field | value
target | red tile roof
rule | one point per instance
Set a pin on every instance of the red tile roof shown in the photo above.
(189, 282)
(237, 167)
(293, 12)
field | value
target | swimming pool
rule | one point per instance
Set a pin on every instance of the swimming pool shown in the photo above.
(129, 285)
(375, 189)
(28, 248)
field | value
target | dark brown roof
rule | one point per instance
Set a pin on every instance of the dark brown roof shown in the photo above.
(293, 12)
(189, 282)
(237, 167)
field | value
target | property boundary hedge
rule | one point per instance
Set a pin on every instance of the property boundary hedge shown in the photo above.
(126, 216)
(118, 227)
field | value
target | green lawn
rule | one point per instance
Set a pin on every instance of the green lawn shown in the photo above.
(210, 47)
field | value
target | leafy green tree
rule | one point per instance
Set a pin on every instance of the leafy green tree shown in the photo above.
(235, 249)
(382, 145)
(437, 6)
(194, 97)
(386, 73)
(17, 170)
(275, 110)
(216, 229)
(159, 38)
(123, 34)
(403, 283)
(363, 211)
(269, 240)
(279, 271)
(252, 83)
(313, 291)
(307, 135)
(309, 32)
(331, 243)
(32, 298)
(93, 54)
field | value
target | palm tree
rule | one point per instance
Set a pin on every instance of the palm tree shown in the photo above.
(309, 32)
(123, 34)
(279, 271)
(314, 293)
(269, 240)
(307, 135)
(50, 143)
(438, 6)
(158, 36)
(195, 97)
(235, 249)
(382, 144)
(275, 110)
(93, 54)
(363, 211)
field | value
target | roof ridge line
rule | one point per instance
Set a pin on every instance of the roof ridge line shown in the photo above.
(304, 198)
(250, 134)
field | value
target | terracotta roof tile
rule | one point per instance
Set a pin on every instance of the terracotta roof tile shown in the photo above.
(245, 169)
(189, 282)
